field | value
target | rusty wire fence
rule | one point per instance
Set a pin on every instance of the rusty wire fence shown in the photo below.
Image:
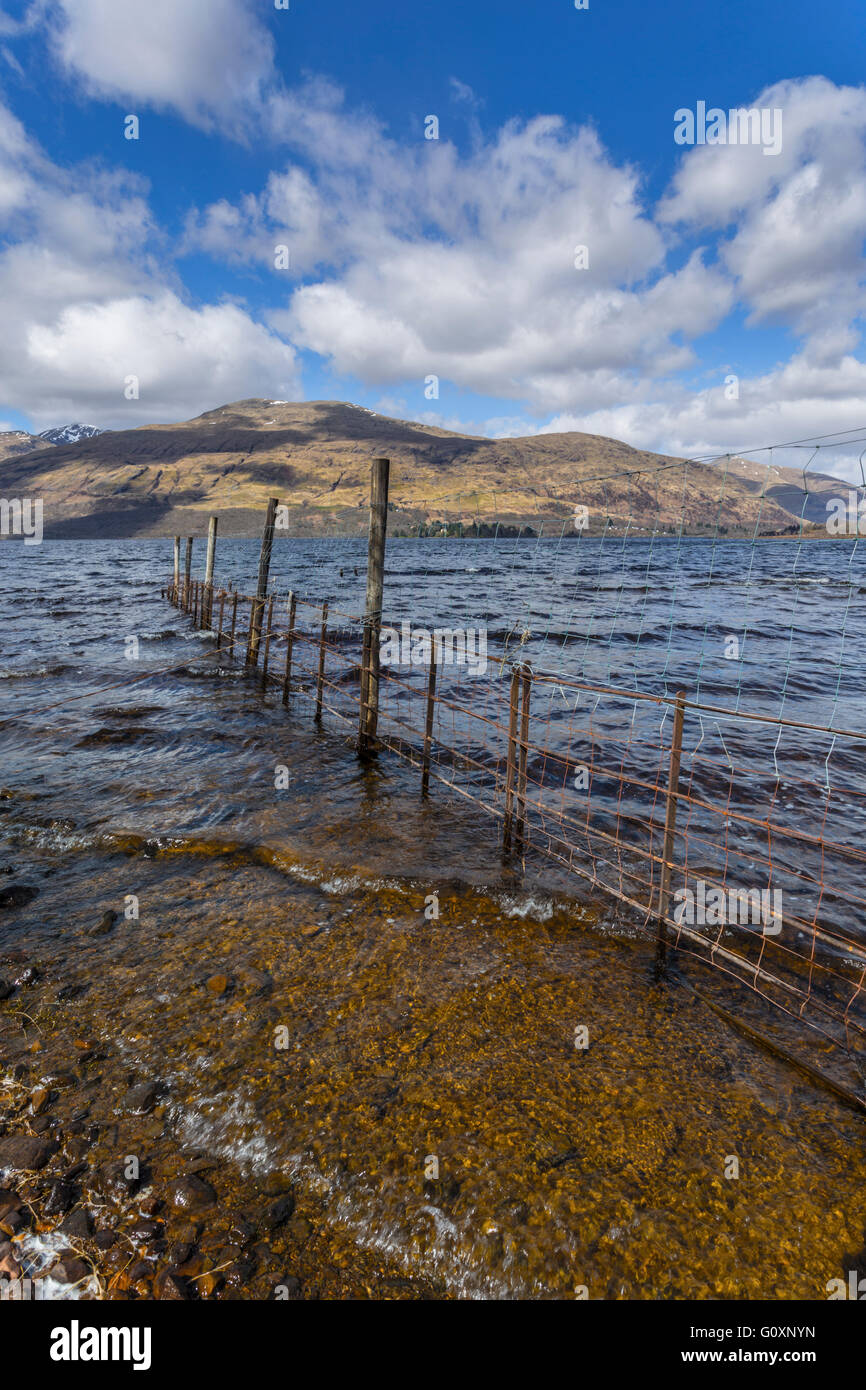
(729, 835)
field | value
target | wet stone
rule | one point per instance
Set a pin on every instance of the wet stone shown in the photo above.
(173, 1288)
(14, 1222)
(77, 1224)
(70, 1270)
(140, 1100)
(191, 1194)
(280, 1211)
(218, 984)
(114, 1181)
(143, 1231)
(104, 925)
(59, 1198)
(39, 1100)
(17, 895)
(25, 1151)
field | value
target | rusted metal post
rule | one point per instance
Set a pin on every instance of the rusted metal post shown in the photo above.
(220, 622)
(186, 574)
(526, 683)
(321, 675)
(258, 607)
(176, 568)
(234, 623)
(671, 817)
(208, 572)
(431, 706)
(511, 760)
(267, 642)
(369, 712)
(290, 638)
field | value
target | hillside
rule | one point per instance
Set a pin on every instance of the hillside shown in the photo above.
(801, 493)
(167, 479)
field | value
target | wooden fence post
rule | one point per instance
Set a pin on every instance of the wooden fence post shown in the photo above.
(258, 607)
(208, 572)
(321, 675)
(369, 712)
(186, 574)
(290, 637)
(267, 642)
(671, 817)
(511, 760)
(526, 683)
(431, 704)
(176, 570)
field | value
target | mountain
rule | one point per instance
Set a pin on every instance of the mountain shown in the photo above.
(14, 442)
(69, 434)
(315, 456)
(801, 493)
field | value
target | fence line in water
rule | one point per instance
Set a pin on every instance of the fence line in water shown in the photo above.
(671, 806)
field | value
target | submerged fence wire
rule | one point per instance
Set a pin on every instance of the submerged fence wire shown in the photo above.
(603, 727)
(582, 774)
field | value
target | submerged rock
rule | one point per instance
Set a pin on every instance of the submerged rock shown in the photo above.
(140, 1100)
(280, 1211)
(105, 924)
(25, 1152)
(17, 895)
(191, 1194)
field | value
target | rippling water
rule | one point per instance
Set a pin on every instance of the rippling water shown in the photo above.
(410, 1037)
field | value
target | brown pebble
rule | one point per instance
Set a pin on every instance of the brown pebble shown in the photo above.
(39, 1100)
(218, 984)
(191, 1194)
(69, 1271)
(24, 1151)
(172, 1287)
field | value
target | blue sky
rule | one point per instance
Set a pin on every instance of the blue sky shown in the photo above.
(721, 306)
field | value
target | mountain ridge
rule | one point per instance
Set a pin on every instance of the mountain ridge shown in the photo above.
(164, 479)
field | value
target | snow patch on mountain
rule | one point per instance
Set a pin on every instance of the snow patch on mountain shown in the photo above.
(69, 434)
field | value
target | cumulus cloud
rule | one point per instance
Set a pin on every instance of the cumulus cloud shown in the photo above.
(88, 303)
(795, 222)
(210, 60)
(420, 261)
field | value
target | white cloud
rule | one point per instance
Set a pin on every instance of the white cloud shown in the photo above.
(420, 261)
(803, 399)
(87, 303)
(796, 244)
(209, 60)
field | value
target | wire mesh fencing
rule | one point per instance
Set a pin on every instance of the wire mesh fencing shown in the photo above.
(733, 835)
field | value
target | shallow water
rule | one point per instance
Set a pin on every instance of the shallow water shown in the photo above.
(407, 1037)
